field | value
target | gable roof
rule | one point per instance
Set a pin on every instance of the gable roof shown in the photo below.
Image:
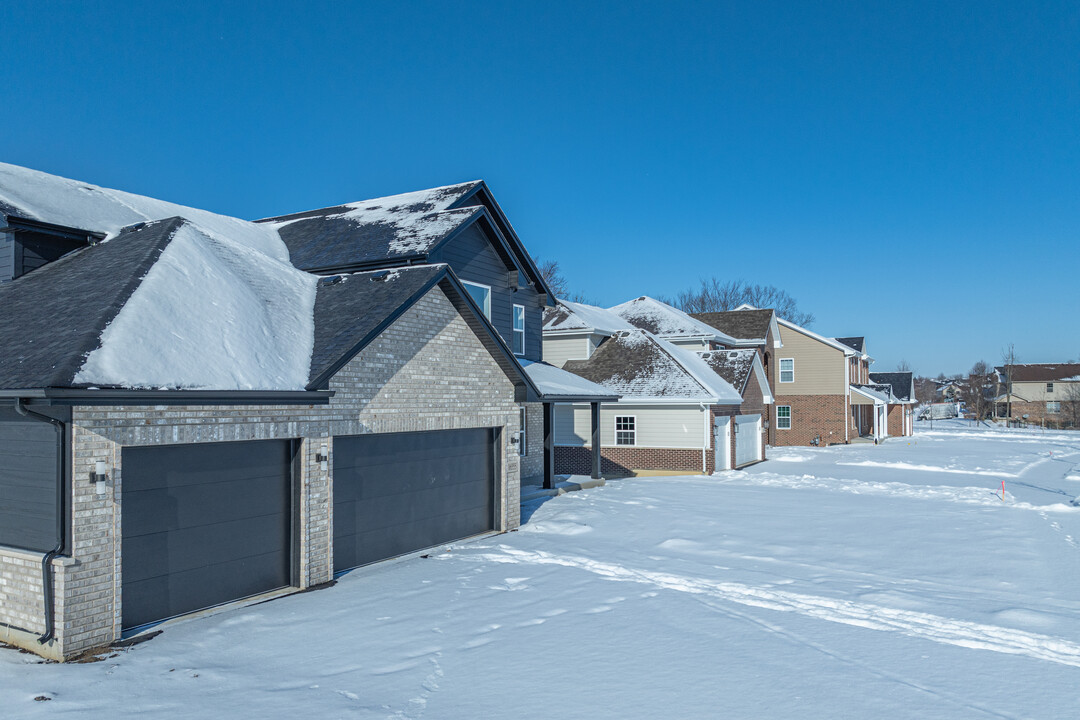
(1043, 372)
(639, 366)
(846, 349)
(855, 343)
(666, 321)
(570, 317)
(735, 366)
(396, 229)
(740, 324)
(901, 383)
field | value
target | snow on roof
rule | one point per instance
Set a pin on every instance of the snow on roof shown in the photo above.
(58, 200)
(637, 364)
(878, 393)
(578, 316)
(211, 313)
(901, 384)
(554, 382)
(664, 320)
(1044, 372)
(734, 366)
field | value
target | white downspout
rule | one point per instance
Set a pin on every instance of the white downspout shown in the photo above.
(705, 445)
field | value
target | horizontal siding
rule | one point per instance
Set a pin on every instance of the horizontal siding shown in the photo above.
(557, 350)
(7, 258)
(658, 426)
(473, 258)
(1036, 391)
(819, 368)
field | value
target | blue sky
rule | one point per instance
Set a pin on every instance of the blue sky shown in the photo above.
(907, 171)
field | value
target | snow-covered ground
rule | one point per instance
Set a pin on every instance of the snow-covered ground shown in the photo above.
(865, 581)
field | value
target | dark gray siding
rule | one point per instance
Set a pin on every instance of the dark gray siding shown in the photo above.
(32, 250)
(7, 257)
(29, 462)
(472, 257)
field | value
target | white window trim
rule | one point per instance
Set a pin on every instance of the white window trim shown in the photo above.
(780, 371)
(615, 426)
(778, 425)
(523, 432)
(1056, 409)
(514, 330)
(487, 304)
(1049, 387)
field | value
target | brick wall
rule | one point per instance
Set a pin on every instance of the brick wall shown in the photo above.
(532, 463)
(896, 420)
(427, 371)
(625, 461)
(811, 416)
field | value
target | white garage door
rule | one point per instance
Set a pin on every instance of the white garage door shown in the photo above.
(747, 439)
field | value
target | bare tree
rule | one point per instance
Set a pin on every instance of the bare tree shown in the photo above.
(925, 390)
(716, 296)
(975, 390)
(552, 274)
(1070, 406)
(1008, 360)
(903, 366)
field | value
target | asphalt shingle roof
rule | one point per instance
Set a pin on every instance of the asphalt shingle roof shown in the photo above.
(1044, 372)
(734, 366)
(739, 324)
(54, 316)
(901, 383)
(855, 343)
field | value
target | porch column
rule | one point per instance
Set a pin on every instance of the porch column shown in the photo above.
(596, 440)
(549, 446)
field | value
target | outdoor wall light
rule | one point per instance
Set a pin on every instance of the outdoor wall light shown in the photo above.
(100, 477)
(323, 457)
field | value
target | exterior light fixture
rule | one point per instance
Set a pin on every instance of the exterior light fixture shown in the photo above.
(323, 456)
(100, 477)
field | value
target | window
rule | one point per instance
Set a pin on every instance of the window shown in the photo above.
(1049, 387)
(625, 430)
(1053, 407)
(519, 329)
(523, 445)
(481, 294)
(783, 416)
(787, 370)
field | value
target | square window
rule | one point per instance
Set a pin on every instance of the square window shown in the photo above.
(519, 329)
(481, 295)
(625, 430)
(787, 370)
(783, 417)
(1053, 407)
(523, 446)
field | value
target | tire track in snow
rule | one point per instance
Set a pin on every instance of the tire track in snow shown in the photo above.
(872, 617)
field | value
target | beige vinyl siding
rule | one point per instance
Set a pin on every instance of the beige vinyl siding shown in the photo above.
(857, 399)
(1036, 391)
(658, 426)
(559, 349)
(819, 368)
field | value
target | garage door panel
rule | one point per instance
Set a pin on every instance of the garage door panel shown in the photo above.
(186, 506)
(190, 548)
(401, 492)
(181, 592)
(203, 524)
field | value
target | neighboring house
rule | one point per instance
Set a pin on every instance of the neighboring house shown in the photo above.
(674, 413)
(671, 324)
(1039, 392)
(600, 345)
(189, 419)
(901, 420)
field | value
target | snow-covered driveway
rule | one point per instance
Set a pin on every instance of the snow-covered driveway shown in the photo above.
(887, 581)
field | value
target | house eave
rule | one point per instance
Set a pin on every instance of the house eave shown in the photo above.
(125, 396)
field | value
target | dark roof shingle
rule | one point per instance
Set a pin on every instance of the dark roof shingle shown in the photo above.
(739, 324)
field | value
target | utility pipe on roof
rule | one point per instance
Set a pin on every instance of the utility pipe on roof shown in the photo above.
(61, 536)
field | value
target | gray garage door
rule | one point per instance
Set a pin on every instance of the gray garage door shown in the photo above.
(204, 524)
(29, 453)
(400, 492)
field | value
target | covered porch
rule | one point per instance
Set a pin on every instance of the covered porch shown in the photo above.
(869, 413)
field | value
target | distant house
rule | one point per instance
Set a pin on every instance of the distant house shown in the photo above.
(196, 409)
(1038, 392)
(681, 408)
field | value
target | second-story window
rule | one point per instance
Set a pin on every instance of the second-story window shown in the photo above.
(481, 294)
(787, 370)
(1049, 387)
(519, 329)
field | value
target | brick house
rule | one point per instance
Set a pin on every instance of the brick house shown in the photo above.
(1043, 393)
(901, 405)
(200, 421)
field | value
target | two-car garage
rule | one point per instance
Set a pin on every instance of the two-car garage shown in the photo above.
(208, 523)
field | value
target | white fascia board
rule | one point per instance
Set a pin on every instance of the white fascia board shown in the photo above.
(848, 352)
(577, 331)
(759, 373)
(777, 342)
(631, 400)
